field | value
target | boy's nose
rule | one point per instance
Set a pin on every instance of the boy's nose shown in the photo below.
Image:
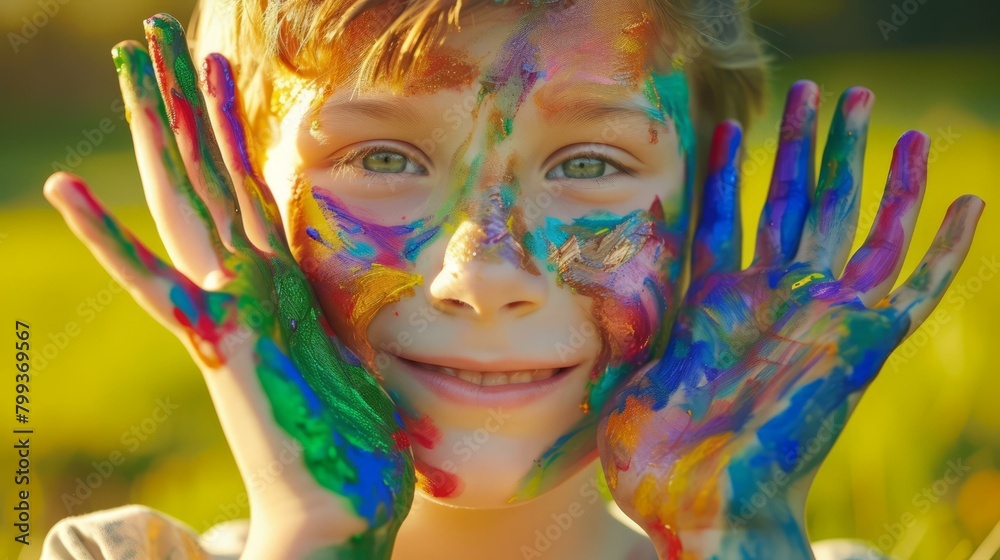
(486, 271)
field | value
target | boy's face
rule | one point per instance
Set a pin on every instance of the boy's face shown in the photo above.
(502, 240)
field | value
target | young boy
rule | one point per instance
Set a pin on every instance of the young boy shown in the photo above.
(467, 276)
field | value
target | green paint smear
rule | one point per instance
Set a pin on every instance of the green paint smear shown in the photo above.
(352, 434)
(172, 35)
(136, 68)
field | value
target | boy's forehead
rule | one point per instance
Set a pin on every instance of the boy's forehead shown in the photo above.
(566, 56)
(590, 40)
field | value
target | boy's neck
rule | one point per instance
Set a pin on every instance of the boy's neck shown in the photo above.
(571, 522)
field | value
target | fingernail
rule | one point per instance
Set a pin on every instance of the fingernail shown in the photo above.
(856, 106)
(725, 146)
(135, 70)
(800, 110)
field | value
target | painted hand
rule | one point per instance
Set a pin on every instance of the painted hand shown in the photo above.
(243, 308)
(712, 449)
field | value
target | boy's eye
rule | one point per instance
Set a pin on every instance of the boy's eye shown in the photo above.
(378, 159)
(587, 166)
(583, 168)
(385, 162)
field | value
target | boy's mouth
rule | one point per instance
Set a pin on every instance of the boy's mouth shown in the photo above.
(480, 384)
(490, 378)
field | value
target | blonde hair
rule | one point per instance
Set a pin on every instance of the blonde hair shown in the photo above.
(724, 61)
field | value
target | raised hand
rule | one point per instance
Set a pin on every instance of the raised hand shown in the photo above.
(712, 449)
(243, 308)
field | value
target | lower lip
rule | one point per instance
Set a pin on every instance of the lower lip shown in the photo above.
(462, 392)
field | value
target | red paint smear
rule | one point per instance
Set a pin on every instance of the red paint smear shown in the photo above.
(437, 482)
(184, 121)
(858, 99)
(721, 152)
(422, 429)
(402, 441)
(664, 536)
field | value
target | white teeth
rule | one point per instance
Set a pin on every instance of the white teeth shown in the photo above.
(521, 377)
(473, 377)
(493, 378)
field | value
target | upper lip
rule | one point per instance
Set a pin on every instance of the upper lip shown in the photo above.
(470, 364)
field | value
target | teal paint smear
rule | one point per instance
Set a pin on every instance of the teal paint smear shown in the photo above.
(670, 94)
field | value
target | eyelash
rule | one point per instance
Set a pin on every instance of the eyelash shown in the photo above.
(344, 162)
(603, 180)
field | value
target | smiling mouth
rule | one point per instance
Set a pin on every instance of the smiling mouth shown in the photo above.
(491, 378)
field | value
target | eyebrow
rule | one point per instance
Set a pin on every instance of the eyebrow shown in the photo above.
(397, 111)
(573, 111)
(588, 111)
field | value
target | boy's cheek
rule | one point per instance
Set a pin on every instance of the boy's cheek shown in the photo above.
(628, 267)
(355, 268)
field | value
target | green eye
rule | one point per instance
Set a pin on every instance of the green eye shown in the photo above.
(385, 162)
(584, 168)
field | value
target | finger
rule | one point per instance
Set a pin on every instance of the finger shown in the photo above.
(717, 241)
(178, 80)
(261, 219)
(875, 266)
(182, 219)
(833, 212)
(912, 302)
(794, 170)
(128, 260)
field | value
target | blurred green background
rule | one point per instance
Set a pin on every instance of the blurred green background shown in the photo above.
(917, 470)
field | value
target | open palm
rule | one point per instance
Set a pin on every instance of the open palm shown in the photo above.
(285, 396)
(712, 448)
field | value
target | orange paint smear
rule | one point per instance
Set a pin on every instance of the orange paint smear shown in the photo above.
(623, 429)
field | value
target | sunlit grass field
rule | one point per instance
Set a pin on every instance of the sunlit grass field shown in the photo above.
(917, 470)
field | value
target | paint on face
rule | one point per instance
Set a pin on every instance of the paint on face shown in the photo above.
(628, 264)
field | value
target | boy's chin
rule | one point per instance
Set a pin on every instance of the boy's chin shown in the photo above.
(491, 483)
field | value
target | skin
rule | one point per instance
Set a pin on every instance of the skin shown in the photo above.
(490, 187)
(465, 241)
(766, 363)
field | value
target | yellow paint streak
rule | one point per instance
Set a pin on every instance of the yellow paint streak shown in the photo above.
(694, 481)
(689, 494)
(806, 280)
(377, 288)
(307, 211)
